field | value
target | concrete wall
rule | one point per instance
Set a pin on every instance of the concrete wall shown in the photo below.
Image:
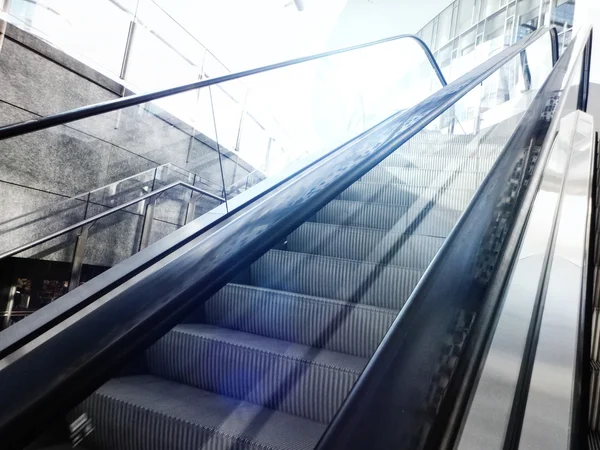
(46, 167)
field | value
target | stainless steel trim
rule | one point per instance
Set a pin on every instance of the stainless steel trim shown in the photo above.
(491, 406)
(547, 420)
(487, 422)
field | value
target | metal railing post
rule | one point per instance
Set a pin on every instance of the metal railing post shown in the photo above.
(147, 226)
(9, 306)
(191, 207)
(78, 256)
(5, 8)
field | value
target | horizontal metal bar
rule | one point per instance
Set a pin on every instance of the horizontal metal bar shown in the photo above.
(79, 224)
(133, 100)
(189, 271)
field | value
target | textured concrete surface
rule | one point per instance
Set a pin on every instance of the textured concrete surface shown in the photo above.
(39, 169)
(52, 213)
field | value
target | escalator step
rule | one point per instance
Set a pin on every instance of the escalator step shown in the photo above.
(404, 195)
(438, 222)
(149, 413)
(361, 214)
(451, 145)
(341, 279)
(439, 162)
(293, 378)
(424, 178)
(318, 322)
(364, 244)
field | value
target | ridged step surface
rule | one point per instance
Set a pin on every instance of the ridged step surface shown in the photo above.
(340, 279)
(423, 178)
(319, 322)
(266, 364)
(404, 195)
(150, 413)
(451, 146)
(285, 376)
(439, 162)
(363, 244)
(437, 222)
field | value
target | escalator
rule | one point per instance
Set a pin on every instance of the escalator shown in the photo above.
(344, 302)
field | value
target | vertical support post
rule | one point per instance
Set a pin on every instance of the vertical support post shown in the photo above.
(267, 156)
(78, 256)
(191, 207)
(238, 138)
(525, 70)
(191, 210)
(125, 62)
(478, 114)
(5, 8)
(548, 17)
(127, 52)
(212, 107)
(9, 306)
(148, 208)
(147, 227)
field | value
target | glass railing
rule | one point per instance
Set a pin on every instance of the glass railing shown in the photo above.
(213, 144)
(52, 250)
(360, 226)
(140, 45)
(134, 42)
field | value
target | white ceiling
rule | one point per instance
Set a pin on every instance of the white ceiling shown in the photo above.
(245, 34)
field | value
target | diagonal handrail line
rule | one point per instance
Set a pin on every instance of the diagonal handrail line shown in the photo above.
(137, 99)
(108, 212)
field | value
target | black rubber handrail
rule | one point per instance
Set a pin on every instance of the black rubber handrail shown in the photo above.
(138, 99)
(131, 305)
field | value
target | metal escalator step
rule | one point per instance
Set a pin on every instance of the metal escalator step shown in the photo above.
(451, 145)
(437, 222)
(363, 244)
(405, 195)
(421, 177)
(294, 378)
(479, 164)
(341, 279)
(149, 413)
(361, 214)
(318, 322)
